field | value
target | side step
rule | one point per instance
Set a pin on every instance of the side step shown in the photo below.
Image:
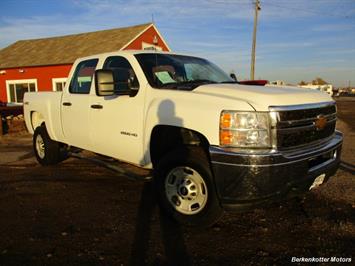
(130, 171)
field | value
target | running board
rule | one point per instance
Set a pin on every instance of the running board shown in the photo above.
(145, 174)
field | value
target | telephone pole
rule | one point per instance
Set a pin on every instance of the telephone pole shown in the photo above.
(252, 67)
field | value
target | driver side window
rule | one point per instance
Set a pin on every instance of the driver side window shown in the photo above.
(124, 76)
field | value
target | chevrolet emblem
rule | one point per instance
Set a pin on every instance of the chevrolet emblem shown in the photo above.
(320, 122)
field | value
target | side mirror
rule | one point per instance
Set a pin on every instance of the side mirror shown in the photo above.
(133, 86)
(104, 82)
(233, 76)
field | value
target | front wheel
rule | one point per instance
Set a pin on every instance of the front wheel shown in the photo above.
(186, 189)
(47, 151)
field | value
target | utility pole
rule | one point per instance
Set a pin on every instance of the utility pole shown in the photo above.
(252, 66)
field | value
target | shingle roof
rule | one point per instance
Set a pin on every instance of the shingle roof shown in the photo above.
(65, 49)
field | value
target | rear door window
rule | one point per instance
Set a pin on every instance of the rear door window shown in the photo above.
(82, 78)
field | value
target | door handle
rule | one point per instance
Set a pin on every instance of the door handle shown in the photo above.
(67, 104)
(96, 106)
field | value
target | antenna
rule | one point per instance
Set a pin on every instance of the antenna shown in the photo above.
(153, 19)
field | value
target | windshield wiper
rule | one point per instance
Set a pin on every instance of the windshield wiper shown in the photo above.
(187, 82)
(197, 81)
(229, 81)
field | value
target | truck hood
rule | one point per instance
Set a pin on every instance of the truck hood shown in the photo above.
(261, 97)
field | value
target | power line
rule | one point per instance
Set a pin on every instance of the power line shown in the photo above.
(310, 11)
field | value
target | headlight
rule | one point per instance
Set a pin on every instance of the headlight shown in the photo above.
(244, 129)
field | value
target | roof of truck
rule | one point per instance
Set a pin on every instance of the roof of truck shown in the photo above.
(66, 49)
(127, 52)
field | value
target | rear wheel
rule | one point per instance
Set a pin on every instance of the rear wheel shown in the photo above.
(186, 189)
(47, 151)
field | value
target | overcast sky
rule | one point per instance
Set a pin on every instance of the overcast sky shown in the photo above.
(297, 39)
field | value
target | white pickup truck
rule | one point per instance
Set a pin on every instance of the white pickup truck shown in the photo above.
(210, 142)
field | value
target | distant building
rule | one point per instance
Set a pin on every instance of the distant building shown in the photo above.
(44, 64)
(345, 91)
(328, 88)
(277, 83)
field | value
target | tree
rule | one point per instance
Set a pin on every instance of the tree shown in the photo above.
(302, 83)
(319, 81)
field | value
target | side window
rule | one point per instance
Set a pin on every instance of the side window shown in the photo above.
(82, 78)
(124, 76)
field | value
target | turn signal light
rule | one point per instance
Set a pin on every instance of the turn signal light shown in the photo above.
(226, 120)
(226, 137)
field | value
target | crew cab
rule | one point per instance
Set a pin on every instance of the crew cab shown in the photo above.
(210, 142)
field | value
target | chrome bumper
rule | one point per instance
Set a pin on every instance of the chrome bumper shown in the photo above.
(244, 179)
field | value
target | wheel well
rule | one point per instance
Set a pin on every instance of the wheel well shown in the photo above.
(166, 138)
(36, 119)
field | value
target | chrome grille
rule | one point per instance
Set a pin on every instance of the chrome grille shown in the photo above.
(303, 124)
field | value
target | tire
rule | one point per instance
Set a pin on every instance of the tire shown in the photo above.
(185, 187)
(47, 151)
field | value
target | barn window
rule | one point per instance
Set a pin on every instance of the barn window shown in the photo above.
(17, 88)
(58, 84)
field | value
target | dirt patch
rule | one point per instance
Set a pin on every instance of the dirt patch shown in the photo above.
(77, 213)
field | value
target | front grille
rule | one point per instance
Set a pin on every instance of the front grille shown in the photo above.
(297, 126)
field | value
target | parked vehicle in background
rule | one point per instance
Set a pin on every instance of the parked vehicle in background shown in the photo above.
(10, 110)
(210, 142)
(328, 88)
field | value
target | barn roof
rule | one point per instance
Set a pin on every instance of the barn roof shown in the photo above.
(66, 49)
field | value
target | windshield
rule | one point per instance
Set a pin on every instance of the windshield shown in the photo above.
(179, 71)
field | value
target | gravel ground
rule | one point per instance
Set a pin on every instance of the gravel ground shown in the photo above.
(77, 213)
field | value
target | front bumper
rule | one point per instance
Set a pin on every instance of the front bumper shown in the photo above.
(248, 179)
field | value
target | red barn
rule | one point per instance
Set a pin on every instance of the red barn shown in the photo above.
(44, 64)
